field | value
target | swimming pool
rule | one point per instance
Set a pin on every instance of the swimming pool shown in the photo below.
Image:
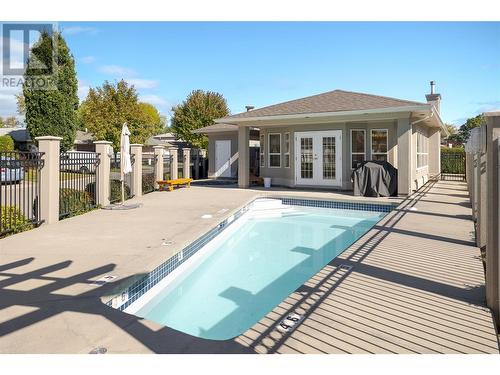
(250, 267)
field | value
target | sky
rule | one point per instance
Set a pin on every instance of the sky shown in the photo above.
(266, 63)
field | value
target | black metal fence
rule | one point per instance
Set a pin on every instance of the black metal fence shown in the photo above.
(180, 164)
(453, 166)
(148, 172)
(115, 192)
(78, 181)
(199, 164)
(167, 167)
(19, 191)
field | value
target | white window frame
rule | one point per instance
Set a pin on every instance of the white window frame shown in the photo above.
(262, 151)
(286, 154)
(364, 145)
(269, 154)
(386, 142)
(425, 151)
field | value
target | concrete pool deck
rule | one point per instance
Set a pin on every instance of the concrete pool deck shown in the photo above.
(416, 284)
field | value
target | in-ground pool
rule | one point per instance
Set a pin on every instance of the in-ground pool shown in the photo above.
(250, 267)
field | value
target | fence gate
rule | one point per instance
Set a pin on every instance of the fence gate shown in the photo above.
(148, 172)
(453, 166)
(167, 165)
(19, 191)
(78, 180)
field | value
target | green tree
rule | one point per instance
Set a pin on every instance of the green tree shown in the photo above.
(51, 109)
(197, 111)
(463, 133)
(106, 108)
(152, 116)
(6, 143)
(2, 124)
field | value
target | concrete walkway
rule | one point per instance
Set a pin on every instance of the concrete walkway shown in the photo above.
(416, 284)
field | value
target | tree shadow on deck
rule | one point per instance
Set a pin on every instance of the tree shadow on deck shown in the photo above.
(47, 302)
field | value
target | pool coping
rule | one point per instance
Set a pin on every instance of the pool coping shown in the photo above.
(130, 293)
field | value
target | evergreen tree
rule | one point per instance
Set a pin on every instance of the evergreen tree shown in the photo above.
(50, 90)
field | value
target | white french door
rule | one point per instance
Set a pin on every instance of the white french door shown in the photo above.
(318, 158)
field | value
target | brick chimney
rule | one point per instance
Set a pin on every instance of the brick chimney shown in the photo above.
(433, 98)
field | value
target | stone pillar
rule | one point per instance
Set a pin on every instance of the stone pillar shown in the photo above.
(173, 163)
(49, 178)
(243, 157)
(158, 151)
(136, 150)
(435, 152)
(187, 162)
(405, 142)
(104, 149)
(492, 198)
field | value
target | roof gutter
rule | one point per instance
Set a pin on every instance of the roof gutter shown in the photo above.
(441, 124)
(319, 115)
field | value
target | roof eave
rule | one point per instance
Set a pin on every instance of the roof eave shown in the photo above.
(319, 115)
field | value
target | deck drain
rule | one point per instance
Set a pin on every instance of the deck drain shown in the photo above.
(105, 279)
(290, 323)
(167, 243)
(98, 350)
(345, 267)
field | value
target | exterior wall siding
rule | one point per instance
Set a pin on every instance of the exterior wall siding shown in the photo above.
(286, 176)
(421, 175)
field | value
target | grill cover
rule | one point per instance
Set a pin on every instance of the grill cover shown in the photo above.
(375, 179)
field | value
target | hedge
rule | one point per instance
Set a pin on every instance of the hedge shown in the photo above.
(116, 191)
(13, 220)
(453, 160)
(6, 143)
(74, 202)
(148, 183)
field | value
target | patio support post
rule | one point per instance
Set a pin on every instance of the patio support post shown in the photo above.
(243, 157)
(435, 152)
(492, 120)
(136, 150)
(49, 177)
(187, 162)
(159, 151)
(105, 150)
(173, 164)
(404, 133)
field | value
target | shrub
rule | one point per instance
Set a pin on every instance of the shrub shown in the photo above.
(74, 202)
(6, 143)
(116, 191)
(148, 183)
(13, 220)
(453, 160)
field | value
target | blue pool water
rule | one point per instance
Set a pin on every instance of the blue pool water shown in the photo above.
(252, 266)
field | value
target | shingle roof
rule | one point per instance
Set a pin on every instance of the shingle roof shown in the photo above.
(216, 128)
(332, 101)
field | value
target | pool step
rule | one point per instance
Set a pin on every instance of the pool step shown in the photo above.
(266, 207)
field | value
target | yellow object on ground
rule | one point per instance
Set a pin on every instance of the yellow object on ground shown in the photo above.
(171, 183)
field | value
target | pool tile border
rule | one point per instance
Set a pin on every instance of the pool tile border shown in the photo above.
(137, 289)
